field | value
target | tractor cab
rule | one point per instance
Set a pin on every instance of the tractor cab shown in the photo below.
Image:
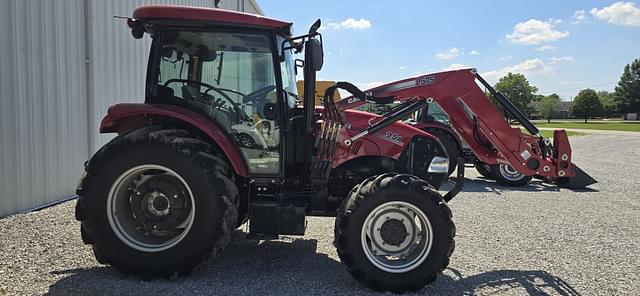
(239, 71)
(237, 75)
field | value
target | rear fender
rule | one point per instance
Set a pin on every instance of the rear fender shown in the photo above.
(124, 117)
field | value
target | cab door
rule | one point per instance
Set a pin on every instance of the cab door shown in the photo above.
(230, 77)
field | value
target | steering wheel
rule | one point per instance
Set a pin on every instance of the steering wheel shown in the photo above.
(258, 95)
(258, 98)
(209, 88)
(234, 105)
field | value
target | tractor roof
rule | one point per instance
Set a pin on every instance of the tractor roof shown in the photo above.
(192, 13)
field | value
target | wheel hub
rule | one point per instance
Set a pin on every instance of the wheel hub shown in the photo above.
(157, 204)
(393, 232)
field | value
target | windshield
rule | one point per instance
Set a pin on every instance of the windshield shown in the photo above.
(287, 67)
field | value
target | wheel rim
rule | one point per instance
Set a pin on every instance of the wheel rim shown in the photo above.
(246, 141)
(150, 208)
(396, 237)
(509, 173)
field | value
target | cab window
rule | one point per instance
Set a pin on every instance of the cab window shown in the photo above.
(230, 77)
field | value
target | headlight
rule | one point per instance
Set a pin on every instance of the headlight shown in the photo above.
(439, 165)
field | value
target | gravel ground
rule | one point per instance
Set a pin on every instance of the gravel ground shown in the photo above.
(532, 240)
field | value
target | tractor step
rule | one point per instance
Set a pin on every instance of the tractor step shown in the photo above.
(268, 217)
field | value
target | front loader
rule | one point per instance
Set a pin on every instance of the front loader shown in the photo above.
(221, 141)
(513, 156)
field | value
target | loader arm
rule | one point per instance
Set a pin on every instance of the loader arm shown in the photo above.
(475, 118)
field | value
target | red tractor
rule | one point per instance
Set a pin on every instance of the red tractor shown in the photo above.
(186, 168)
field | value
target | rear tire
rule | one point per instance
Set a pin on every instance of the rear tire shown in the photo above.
(506, 175)
(157, 202)
(411, 252)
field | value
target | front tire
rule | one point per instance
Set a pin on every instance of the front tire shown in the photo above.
(394, 233)
(483, 169)
(506, 175)
(156, 202)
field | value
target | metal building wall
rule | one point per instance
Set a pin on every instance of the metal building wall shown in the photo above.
(42, 106)
(62, 64)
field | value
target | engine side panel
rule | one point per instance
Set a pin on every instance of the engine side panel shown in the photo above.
(388, 142)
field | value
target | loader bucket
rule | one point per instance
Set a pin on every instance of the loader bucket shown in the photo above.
(579, 181)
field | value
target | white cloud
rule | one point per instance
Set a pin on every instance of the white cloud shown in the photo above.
(350, 23)
(456, 67)
(555, 21)
(474, 52)
(356, 24)
(506, 58)
(532, 66)
(449, 54)
(402, 67)
(570, 82)
(554, 60)
(580, 16)
(545, 47)
(619, 13)
(534, 32)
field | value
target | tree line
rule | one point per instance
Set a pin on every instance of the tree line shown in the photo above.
(587, 104)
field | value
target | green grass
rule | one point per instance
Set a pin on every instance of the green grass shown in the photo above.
(549, 134)
(595, 125)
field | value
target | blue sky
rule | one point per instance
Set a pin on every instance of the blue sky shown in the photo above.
(561, 46)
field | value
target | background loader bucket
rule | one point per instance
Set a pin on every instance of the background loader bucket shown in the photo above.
(580, 181)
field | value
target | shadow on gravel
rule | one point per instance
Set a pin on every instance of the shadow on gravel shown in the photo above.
(288, 267)
(531, 282)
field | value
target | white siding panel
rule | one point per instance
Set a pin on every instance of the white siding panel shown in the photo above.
(63, 63)
(42, 107)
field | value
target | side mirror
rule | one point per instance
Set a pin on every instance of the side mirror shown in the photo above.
(270, 111)
(314, 46)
